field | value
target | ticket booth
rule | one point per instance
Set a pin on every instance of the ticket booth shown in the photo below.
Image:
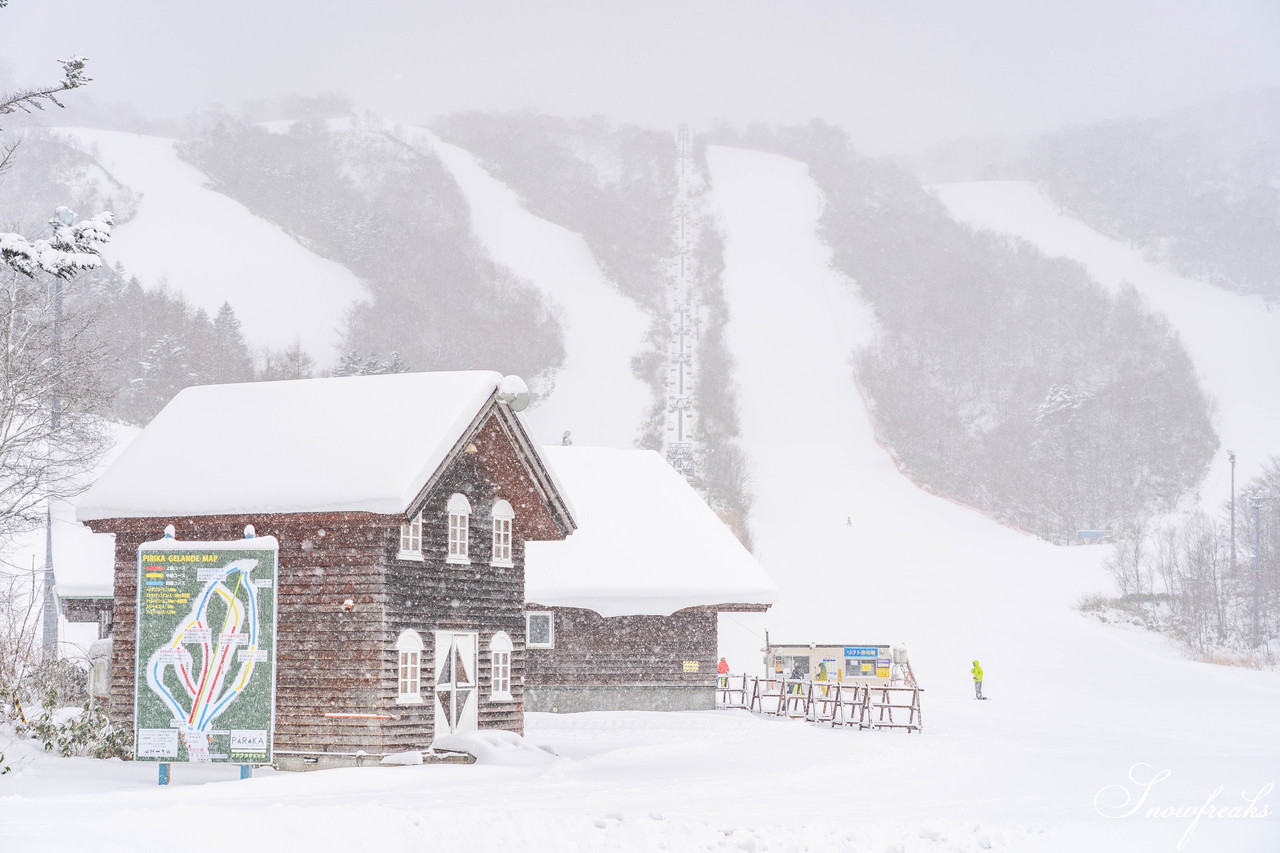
(861, 664)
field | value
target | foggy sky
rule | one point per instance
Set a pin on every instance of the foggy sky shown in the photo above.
(898, 75)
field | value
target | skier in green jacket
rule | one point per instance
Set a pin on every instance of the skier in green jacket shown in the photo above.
(976, 672)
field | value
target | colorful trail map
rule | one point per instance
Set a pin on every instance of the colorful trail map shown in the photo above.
(204, 682)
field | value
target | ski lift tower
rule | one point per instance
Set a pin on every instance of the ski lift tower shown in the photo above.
(681, 363)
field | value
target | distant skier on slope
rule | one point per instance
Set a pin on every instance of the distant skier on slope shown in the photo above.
(976, 672)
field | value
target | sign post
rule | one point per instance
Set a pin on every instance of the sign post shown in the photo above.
(204, 677)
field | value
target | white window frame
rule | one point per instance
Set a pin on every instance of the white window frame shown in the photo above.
(411, 536)
(500, 651)
(503, 544)
(409, 648)
(459, 529)
(551, 629)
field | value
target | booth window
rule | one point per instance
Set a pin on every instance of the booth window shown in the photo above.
(459, 525)
(411, 539)
(502, 519)
(500, 648)
(540, 630)
(409, 647)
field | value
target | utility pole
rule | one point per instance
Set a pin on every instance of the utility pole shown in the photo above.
(49, 620)
(1231, 454)
(1217, 593)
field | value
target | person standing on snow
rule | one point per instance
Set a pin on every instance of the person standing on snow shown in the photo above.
(723, 669)
(976, 672)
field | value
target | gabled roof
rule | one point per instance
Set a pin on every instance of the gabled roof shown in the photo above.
(368, 443)
(646, 542)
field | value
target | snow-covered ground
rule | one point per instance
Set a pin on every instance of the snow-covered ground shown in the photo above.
(864, 557)
(1233, 340)
(1082, 713)
(595, 395)
(212, 249)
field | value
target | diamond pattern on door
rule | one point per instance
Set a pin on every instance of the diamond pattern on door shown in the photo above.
(456, 705)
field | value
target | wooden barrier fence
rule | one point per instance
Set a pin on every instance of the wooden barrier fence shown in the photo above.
(864, 706)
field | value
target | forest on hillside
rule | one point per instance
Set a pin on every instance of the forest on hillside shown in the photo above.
(1000, 376)
(394, 216)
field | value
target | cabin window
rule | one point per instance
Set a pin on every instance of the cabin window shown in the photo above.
(459, 524)
(409, 647)
(502, 518)
(540, 630)
(411, 539)
(500, 648)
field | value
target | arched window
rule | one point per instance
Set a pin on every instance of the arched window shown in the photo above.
(502, 518)
(459, 525)
(500, 648)
(409, 647)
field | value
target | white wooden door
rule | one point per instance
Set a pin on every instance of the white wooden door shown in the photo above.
(456, 696)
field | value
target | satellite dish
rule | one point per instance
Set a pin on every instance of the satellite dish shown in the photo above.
(513, 391)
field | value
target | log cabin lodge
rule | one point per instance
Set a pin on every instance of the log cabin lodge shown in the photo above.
(438, 572)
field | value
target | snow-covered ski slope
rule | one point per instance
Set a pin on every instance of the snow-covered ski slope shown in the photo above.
(595, 396)
(862, 556)
(1233, 340)
(212, 249)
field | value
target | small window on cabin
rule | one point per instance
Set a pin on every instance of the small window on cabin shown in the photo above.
(503, 516)
(409, 674)
(459, 525)
(500, 648)
(540, 630)
(411, 539)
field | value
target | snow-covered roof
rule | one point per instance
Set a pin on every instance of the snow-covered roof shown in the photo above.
(83, 561)
(366, 443)
(646, 542)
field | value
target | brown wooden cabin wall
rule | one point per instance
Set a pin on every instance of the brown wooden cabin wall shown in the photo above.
(323, 653)
(592, 650)
(433, 595)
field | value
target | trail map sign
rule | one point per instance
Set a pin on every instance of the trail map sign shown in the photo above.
(204, 681)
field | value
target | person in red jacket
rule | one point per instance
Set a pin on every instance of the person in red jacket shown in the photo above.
(723, 669)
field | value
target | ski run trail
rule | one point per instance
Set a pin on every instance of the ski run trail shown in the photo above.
(1082, 715)
(864, 556)
(212, 249)
(594, 394)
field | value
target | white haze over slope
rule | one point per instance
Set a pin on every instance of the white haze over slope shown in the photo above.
(1233, 340)
(212, 249)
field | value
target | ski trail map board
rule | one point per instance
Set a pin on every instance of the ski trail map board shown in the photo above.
(204, 677)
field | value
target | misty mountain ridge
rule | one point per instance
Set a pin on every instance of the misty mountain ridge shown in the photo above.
(999, 376)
